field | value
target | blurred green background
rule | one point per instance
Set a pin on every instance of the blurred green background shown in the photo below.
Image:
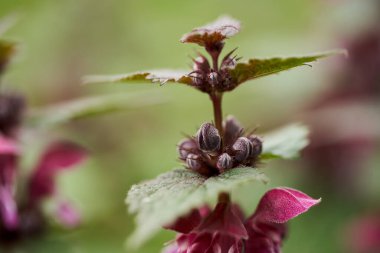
(60, 41)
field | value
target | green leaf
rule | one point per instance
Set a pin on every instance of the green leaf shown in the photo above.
(255, 68)
(90, 106)
(286, 142)
(154, 76)
(160, 201)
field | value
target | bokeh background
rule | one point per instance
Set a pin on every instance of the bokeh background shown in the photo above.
(60, 41)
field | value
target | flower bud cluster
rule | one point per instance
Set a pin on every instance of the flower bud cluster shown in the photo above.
(207, 78)
(210, 153)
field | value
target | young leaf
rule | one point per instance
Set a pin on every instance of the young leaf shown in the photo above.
(160, 201)
(215, 32)
(285, 143)
(90, 106)
(255, 68)
(154, 76)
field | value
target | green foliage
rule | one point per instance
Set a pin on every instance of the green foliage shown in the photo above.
(155, 76)
(255, 68)
(161, 201)
(285, 143)
(90, 106)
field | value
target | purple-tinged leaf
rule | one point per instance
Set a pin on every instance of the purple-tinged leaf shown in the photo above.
(224, 219)
(186, 223)
(255, 68)
(156, 76)
(282, 204)
(59, 156)
(213, 33)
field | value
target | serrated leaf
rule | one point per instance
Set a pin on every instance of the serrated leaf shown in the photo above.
(160, 201)
(155, 76)
(255, 68)
(90, 106)
(286, 142)
(215, 32)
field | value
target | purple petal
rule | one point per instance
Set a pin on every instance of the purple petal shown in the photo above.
(265, 237)
(224, 220)
(187, 223)
(8, 208)
(67, 215)
(8, 146)
(282, 204)
(58, 156)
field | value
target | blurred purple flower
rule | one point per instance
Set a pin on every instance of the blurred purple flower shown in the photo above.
(225, 229)
(8, 158)
(364, 235)
(25, 216)
(67, 215)
(344, 121)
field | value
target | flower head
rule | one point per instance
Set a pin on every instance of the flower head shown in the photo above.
(226, 230)
(24, 215)
(210, 153)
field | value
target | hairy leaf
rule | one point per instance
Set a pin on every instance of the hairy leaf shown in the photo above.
(286, 142)
(155, 76)
(160, 201)
(255, 68)
(90, 106)
(215, 32)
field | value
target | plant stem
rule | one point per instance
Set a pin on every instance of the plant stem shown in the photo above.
(216, 99)
(224, 197)
(215, 63)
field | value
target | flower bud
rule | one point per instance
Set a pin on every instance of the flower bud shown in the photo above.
(201, 64)
(242, 148)
(232, 130)
(186, 147)
(213, 78)
(193, 162)
(224, 162)
(257, 145)
(208, 138)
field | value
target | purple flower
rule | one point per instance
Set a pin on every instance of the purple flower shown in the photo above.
(8, 158)
(226, 230)
(364, 235)
(25, 216)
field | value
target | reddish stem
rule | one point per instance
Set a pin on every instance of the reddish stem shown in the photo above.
(216, 99)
